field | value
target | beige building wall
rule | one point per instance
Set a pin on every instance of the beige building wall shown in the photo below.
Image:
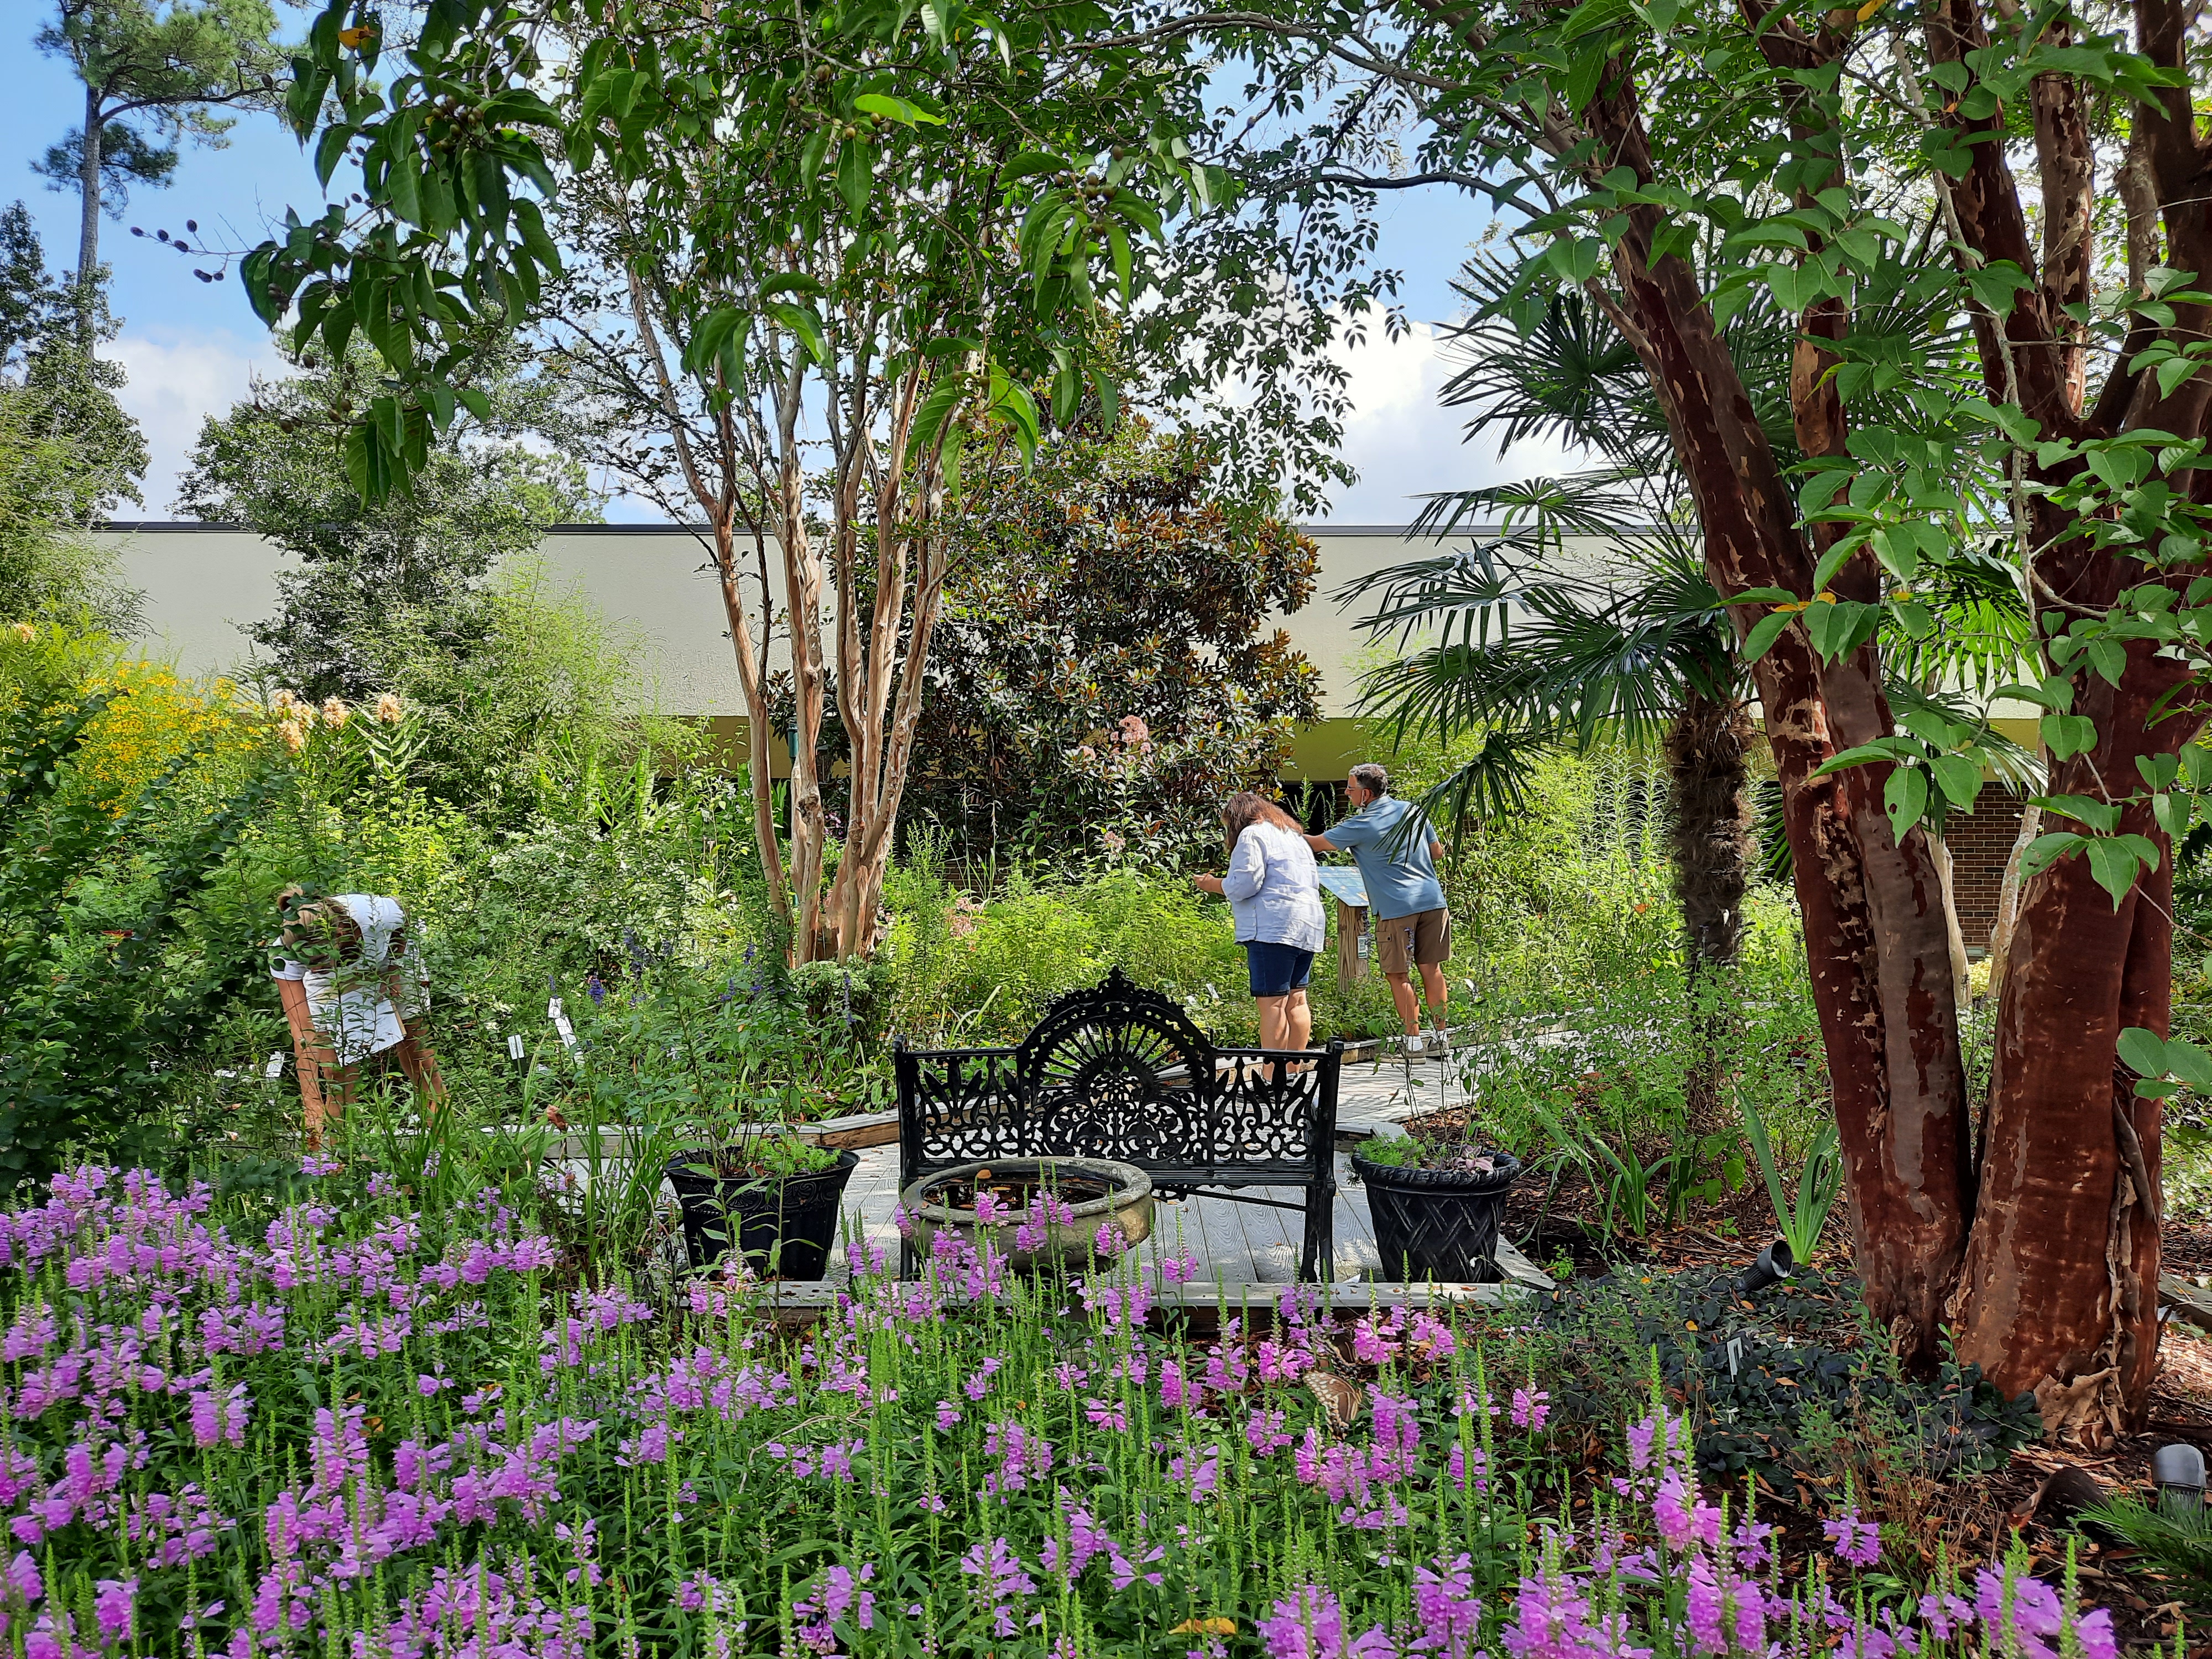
(203, 583)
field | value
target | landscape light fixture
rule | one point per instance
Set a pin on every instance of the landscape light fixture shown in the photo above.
(1774, 1264)
(2177, 1473)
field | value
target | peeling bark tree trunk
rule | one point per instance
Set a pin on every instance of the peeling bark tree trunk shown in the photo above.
(2058, 1292)
(2041, 1256)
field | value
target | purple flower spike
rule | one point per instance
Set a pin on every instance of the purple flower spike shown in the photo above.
(1856, 1541)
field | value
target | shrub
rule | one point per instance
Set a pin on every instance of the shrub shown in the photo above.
(1102, 677)
(119, 941)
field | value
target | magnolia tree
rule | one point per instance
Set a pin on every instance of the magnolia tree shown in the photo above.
(1990, 225)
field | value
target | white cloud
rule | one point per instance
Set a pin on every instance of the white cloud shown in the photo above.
(1405, 443)
(178, 377)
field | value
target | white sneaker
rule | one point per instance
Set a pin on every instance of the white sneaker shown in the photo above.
(1416, 1045)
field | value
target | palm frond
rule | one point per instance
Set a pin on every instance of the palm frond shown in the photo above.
(1569, 376)
(1984, 635)
(2019, 767)
(2175, 1548)
(1491, 782)
(1519, 639)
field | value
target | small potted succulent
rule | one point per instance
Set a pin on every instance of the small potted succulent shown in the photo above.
(1036, 1213)
(1436, 1204)
(762, 1188)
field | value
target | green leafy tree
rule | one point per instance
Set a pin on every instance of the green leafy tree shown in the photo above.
(1862, 171)
(155, 72)
(376, 578)
(1104, 666)
(908, 226)
(69, 453)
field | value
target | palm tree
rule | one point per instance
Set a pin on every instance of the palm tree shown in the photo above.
(1537, 645)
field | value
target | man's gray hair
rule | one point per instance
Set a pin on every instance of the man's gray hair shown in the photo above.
(1372, 778)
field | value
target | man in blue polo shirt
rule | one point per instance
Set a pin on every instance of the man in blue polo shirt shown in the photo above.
(1404, 900)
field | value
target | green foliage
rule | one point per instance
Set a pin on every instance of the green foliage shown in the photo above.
(1100, 680)
(2173, 1542)
(1768, 1380)
(986, 968)
(988, 239)
(390, 591)
(1819, 1181)
(120, 936)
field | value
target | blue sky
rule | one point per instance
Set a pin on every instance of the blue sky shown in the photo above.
(191, 348)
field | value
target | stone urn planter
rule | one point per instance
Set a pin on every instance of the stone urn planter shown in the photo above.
(1438, 1223)
(1037, 1212)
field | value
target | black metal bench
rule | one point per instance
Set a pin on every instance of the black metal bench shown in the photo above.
(1120, 1072)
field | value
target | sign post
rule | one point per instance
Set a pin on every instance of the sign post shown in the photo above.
(1353, 945)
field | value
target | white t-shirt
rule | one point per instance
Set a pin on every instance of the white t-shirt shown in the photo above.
(360, 1008)
(1273, 888)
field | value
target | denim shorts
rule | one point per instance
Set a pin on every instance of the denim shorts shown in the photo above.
(1276, 970)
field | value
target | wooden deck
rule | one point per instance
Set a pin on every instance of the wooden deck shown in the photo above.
(1239, 1245)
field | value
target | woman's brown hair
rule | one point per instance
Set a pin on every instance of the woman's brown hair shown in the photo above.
(1247, 808)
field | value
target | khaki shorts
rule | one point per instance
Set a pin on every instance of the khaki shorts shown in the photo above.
(1425, 936)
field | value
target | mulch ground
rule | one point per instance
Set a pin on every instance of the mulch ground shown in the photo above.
(1552, 1219)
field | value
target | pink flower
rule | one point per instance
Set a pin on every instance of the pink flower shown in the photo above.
(1854, 1540)
(115, 1604)
(1529, 1410)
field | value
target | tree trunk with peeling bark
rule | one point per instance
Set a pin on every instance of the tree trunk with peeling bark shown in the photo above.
(2040, 1255)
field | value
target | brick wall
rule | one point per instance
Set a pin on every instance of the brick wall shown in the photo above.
(1981, 842)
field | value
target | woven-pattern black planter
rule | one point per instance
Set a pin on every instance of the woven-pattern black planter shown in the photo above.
(1438, 1223)
(783, 1225)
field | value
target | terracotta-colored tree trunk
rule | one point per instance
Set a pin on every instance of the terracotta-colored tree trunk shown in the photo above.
(2034, 1244)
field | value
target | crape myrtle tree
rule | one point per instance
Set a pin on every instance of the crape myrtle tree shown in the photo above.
(2034, 174)
(834, 244)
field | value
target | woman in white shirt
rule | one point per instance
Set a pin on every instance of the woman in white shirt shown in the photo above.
(353, 987)
(1273, 891)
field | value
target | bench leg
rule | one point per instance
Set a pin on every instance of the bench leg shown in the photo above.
(1318, 1258)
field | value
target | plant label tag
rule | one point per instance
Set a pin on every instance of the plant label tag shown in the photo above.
(275, 1068)
(1735, 1355)
(514, 1045)
(561, 1023)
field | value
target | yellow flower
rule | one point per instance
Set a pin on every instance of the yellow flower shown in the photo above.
(24, 632)
(158, 717)
(389, 710)
(334, 712)
(294, 735)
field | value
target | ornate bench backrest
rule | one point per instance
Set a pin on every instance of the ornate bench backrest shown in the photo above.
(1120, 1072)
(1116, 1071)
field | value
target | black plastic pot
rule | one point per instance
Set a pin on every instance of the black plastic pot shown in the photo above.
(1438, 1223)
(782, 1224)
